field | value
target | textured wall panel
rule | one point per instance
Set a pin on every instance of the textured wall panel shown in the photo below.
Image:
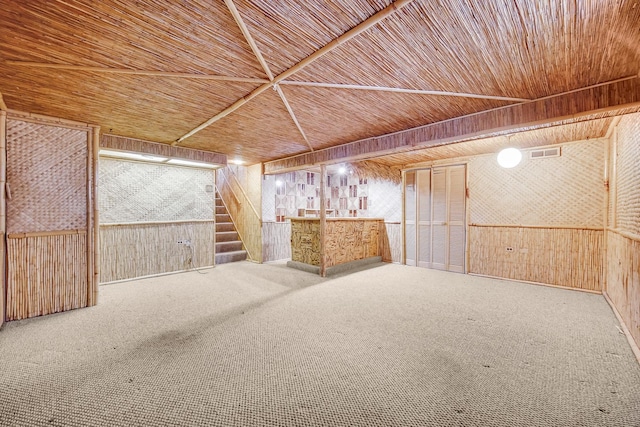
(391, 242)
(556, 256)
(137, 250)
(351, 240)
(46, 274)
(628, 174)
(560, 191)
(276, 241)
(623, 279)
(47, 176)
(146, 192)
(305, 241)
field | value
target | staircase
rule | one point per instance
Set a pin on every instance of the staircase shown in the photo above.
(228, 243)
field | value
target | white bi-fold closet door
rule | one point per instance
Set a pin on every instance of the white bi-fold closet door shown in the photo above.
(435, 218)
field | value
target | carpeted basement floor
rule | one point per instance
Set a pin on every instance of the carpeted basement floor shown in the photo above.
(264, 345)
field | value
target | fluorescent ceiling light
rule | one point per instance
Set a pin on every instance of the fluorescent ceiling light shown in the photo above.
(193, 164)
(509, 157)
(132, 156)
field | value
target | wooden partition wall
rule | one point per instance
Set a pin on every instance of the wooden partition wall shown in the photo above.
(243, 213)
(51, 216)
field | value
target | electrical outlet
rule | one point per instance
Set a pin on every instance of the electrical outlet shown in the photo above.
(509, 249)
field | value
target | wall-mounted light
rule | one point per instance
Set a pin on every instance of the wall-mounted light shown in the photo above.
(279, 183)
(342, 170)
(509, 157)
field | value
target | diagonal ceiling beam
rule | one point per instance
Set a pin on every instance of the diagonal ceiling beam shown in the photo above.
(136, 72)
(355, 31)
(400, 90)
(601, 100)
(254, 47)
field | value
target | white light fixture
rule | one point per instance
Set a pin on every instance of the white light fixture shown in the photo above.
(342, 170)
(509, 157)
(279, 183)
(182, 162)
(132, 156)
(236, 162)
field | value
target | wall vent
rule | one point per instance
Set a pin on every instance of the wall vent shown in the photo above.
(544, 153)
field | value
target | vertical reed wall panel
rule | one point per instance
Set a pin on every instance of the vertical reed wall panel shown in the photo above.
(623, 280)
(556, 256)
(47, 223)
(276, 241)
(243, 213)
(3, 212)
(46, 274)
(623, 243)
(137, 250)
(557, 191)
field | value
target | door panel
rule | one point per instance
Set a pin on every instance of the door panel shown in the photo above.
(435, 218)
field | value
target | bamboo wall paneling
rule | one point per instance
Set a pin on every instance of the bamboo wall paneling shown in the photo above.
(96, 218)
(139, 249)
(623, 236)
(557, 256)
(3, 214)
(558, 191)
(276, 241)
(46, 274)
(50, 217)
(243, 214)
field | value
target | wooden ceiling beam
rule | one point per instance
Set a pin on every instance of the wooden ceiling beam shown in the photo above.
(136, 72)
(254, 47)
(605, 99)
(355, 31)
(401, 90)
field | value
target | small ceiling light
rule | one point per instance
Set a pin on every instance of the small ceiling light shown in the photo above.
(279, 183)
(509, 157)
(342, 170)
(237, 162)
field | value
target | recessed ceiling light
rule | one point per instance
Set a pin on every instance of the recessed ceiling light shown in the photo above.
(236, 162)
(132, 156)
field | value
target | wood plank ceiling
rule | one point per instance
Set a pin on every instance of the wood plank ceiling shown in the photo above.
(264, 80)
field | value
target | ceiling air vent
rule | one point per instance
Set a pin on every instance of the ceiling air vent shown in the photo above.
(544, 153)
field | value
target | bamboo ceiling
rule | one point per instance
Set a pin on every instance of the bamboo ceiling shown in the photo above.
(201, 74)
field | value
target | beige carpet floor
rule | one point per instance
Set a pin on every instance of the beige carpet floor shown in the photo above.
(264, 345)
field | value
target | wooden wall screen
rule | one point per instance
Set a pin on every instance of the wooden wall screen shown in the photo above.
(435, 215)
(50, 218)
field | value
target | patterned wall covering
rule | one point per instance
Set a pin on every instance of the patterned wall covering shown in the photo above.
(353, 194)
(146, 192)
(628, 175)
(556, 191)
